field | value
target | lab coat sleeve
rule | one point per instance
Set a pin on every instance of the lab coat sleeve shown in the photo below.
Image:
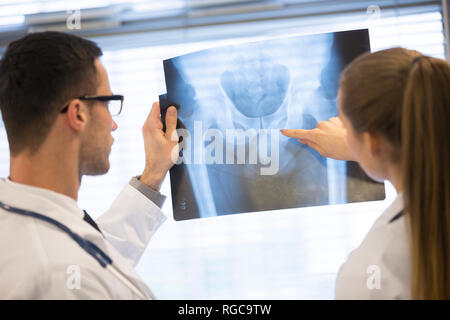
(130, 223)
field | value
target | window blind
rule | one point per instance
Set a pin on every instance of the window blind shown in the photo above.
(280, 254)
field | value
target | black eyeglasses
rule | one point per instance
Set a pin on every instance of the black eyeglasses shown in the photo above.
(115, 103)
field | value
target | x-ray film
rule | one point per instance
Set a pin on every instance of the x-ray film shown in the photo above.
(232, 101)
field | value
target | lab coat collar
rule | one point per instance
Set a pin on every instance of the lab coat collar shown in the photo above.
(59, 199)
(393, 209)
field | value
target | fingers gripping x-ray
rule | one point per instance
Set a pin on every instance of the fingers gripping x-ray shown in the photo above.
(233, 101)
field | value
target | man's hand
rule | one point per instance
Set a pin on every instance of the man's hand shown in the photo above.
(329, 139)
(160, 146)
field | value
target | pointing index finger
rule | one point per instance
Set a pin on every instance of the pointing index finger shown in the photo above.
(296, 133)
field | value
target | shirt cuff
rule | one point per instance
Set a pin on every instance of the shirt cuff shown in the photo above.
(154, 196)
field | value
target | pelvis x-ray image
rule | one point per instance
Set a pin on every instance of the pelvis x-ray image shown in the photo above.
(232, 102)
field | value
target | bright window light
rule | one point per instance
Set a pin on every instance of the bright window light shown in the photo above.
(288, 254)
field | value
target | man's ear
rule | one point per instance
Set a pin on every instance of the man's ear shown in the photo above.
(77, 115)
(373, 142)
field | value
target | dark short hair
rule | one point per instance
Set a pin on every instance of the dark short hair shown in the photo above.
(38, 74)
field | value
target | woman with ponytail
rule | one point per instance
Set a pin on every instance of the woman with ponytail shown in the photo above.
(394, 119)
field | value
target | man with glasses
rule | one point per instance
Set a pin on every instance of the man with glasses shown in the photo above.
(57, 107)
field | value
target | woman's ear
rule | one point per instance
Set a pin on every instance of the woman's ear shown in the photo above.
(77, 115)
(374, 143)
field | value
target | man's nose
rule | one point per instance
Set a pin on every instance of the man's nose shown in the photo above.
(114, 125)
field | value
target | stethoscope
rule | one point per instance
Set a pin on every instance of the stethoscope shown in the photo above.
(102, 258)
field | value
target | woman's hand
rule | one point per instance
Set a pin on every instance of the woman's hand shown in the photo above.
(329, 139)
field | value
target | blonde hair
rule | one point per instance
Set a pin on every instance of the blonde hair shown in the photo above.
(405, 97)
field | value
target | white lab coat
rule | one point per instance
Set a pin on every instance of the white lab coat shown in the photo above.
(39, 261)
(380, 267)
